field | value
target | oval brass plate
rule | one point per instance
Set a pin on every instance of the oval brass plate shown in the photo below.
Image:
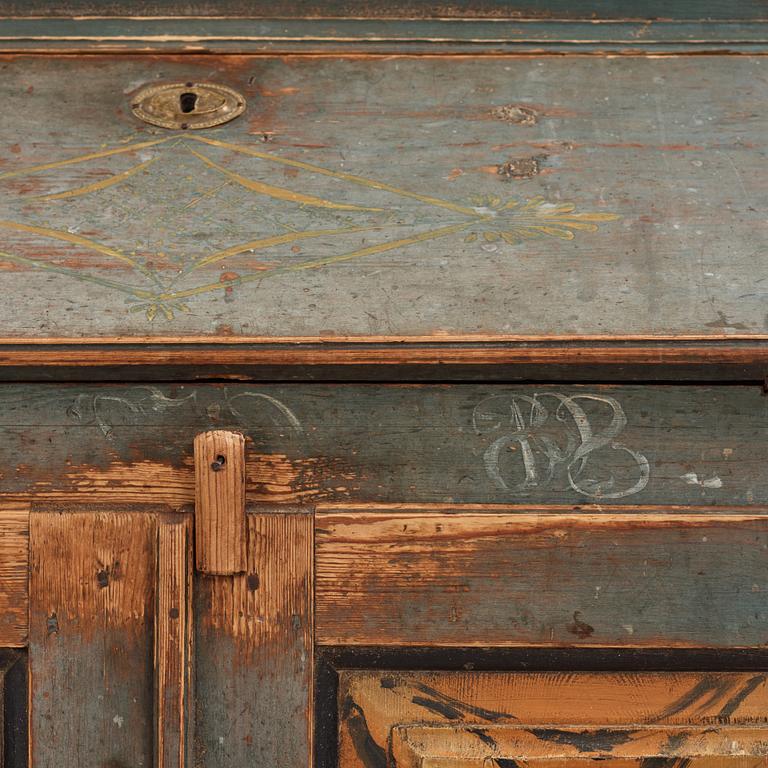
(182, 106)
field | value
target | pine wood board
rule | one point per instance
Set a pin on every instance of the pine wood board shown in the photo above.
(254, 641)
(383, 157)
(407, 578)
(358, 444)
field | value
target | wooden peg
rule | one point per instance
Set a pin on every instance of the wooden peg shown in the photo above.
(220, 502)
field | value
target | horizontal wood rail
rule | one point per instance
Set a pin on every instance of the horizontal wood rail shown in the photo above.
(618, 358)
(392, 35)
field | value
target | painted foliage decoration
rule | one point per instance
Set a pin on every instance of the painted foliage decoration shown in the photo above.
(174, 219)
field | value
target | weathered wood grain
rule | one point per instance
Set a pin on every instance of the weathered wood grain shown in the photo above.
(92, 603)
(416, 578)
(220, 502)
(660, 154)
(580, 715)
(255, 650)
(361, 444)
(14, 573)
(174, 652)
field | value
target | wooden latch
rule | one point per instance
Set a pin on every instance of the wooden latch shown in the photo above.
(220, 540)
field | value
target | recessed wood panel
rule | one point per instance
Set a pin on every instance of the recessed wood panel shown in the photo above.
(174, 649)
(555, 719)
(472, 579)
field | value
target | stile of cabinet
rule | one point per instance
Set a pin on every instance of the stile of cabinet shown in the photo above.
(383, 393)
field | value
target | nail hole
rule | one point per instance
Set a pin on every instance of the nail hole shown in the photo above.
(252, 581)
(187, 102)
(219, 463)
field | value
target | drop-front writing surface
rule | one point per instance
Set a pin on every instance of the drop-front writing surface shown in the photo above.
(387, 197)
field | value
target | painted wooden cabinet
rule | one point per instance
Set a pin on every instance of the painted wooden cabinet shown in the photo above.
(383, 386)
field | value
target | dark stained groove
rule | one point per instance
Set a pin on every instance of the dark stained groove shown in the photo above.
(738, 698)
(675, 742)
(518, 374)
(484, 714)
(482, 734)
(710, 686)
(444, 710)
(665, 762)
(370, 753)
(547, 659)
(601, 740)
(326, 714)
(14, 733)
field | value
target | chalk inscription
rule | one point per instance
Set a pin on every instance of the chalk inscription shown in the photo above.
(547, 438)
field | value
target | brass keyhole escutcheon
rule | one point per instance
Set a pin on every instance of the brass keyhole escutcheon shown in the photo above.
(186, 106)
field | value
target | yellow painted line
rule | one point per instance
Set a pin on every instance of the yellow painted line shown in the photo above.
(268, 242)
(137, 292)
(339, 175)
(85, 158)
(97, 185)
(68, 237)
(370, 250)
(279, 192)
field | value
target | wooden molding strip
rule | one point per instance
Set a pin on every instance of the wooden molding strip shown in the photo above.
(14, 574)
(617, 351)
(174, 631)
(378, 36)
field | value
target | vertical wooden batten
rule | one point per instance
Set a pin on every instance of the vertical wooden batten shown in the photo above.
(174, 660)
(14, 573)
(220, 502)
(254, 649)
(92, 598)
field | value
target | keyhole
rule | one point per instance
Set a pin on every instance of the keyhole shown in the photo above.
(187, 102)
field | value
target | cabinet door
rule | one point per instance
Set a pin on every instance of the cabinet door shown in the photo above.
(120, 627)
(552, 720)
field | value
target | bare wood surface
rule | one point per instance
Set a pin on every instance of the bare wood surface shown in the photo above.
(255, 649)
(573, 714)
(14, 573)
(92, 604)
(174, 653)
(413, 578)
(220, 502)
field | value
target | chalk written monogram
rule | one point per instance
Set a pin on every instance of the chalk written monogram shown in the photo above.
(548, 435)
